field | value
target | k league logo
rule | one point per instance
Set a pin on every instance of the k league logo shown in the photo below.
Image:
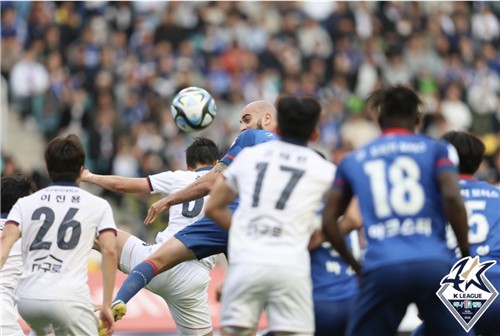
(466, 291)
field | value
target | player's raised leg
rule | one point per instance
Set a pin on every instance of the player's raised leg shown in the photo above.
(168, 255)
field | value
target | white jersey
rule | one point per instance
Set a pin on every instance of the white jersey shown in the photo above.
(58, 225)
(280, 186)
(180, 215)
(13, 267)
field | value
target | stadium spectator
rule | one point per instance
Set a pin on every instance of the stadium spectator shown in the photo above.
(29, 80)
(457, 114)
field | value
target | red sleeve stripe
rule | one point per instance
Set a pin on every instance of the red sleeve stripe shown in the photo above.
(229, 156)
(340, 182)
(443, 162)
(152, 265)
(149, 184)
(108, 229)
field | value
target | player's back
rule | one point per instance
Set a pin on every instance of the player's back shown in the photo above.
(482, 202)
(58, 225)
(180, 215)
(395, 178)
(333, 279)
(280, 187)
(184, 214)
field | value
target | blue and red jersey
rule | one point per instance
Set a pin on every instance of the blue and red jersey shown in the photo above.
(395, 180)
(482, 202)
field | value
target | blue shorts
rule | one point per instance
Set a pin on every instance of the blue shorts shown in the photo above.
(331, 317)
(204, 237)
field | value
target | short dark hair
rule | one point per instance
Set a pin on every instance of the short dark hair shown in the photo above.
(470, 150)
(202, 151)
(297, 116)
(13, 188)
(395, 105)
(64, 158)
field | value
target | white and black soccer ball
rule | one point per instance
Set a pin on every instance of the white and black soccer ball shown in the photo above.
(193, 109)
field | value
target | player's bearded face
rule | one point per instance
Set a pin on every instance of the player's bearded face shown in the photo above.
(250, 121)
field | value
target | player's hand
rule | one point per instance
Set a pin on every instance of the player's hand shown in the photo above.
(86, 175)
(108, 322)
(97, 307)
(155, 209)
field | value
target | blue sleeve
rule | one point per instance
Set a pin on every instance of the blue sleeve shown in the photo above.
(341, 180)
(446, 158)
(247, 138)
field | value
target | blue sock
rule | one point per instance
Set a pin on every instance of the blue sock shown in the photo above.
(138, 278)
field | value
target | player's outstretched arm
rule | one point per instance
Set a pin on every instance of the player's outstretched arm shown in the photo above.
(335, 205)
(117, 183)
(10, 235)
(198, 189)
(454, 209)
(216, 207)
(107, 244)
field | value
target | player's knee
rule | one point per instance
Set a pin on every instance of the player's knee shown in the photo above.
(170, 254)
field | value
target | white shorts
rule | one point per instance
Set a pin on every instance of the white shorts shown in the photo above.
(285, 293)
(8, 315)
(184, 288)
(69, 318)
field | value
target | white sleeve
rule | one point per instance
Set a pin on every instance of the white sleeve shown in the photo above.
(15, 215)
(232, 172)
(107, 222)
(163, 182)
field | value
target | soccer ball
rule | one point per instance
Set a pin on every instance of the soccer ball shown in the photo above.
(193, 109)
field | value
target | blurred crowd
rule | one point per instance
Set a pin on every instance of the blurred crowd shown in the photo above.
(107, 71)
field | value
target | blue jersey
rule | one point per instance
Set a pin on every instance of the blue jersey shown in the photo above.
(333, 279)
(247, 138)
(482, 202)
(335, 287)
(204, 237)
(395, 179)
